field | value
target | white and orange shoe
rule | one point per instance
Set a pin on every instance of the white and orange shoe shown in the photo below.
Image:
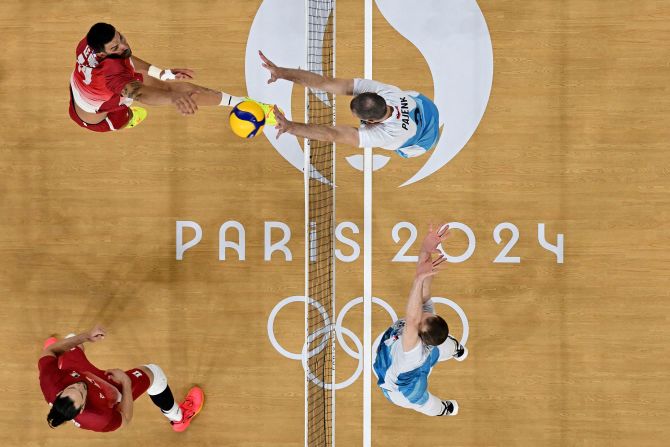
(189, 408)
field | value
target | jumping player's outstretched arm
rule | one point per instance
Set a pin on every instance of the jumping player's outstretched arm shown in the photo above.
(307, 78)
(154, 96)
(429, 246)
(61, 346)
(320, 132)
(424, 270)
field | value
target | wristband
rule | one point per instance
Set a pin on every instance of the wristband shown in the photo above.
(168, 75)
(155, 72)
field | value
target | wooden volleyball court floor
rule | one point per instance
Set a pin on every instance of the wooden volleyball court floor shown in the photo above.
(571, 141)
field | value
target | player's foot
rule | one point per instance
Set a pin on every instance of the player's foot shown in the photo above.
(449, 408)
(268, 110)
(139, 114)
(189, 408)
(461, 351)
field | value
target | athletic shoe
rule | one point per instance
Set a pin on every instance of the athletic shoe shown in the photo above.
(268, 110)
(461, 351)
(189, 408)
(449, 408)
(139, 114)
(49, 341)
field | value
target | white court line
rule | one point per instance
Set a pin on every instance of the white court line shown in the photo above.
(367, 251)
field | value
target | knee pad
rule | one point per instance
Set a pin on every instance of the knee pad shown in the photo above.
(160, 382)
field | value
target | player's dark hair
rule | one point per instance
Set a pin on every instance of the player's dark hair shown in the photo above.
(99, 35)
(368, 106)
(62, 410)
(434, 331)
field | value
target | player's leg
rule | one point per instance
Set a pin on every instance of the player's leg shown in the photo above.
(451, 348)
(427, 404)
(180, 415)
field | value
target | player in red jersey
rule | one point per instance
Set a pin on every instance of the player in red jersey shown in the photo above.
(108, 77)
(103, 400)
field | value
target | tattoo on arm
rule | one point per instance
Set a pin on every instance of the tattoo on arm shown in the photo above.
(132, 90)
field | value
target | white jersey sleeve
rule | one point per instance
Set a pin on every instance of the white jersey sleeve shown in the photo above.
(370, 86)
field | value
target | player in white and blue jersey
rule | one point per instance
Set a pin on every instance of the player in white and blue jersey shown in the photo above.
(405, 122)
(410, 348)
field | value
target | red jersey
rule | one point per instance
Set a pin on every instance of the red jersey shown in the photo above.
(95, 82)
(99, 413)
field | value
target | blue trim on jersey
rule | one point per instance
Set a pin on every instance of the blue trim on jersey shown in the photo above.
(412, 384)
(383, 360)
(427, 119)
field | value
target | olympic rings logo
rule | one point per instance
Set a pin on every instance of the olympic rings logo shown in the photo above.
(325, 332)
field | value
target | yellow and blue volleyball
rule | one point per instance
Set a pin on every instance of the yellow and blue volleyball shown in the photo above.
(247, 119)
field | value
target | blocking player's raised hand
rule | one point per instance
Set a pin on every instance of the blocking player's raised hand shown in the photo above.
(283, 124)
(429, 267)
(270, 66)
(434, 238)
(96, 334)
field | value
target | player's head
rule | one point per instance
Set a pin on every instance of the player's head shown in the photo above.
(68, 404)
(105, 40)
(369, 107)
(433, 330)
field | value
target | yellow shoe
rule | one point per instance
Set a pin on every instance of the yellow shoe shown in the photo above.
(139, 114)
(268, 110)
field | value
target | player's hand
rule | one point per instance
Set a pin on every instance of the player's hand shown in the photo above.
(96, 334)
(283, 125)
(182, 73)
(184, 102)
(117, 376)
(271, 67)
(434, 238)
(429, 267)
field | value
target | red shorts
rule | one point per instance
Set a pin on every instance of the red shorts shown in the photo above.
(76, 359)
(116, 119)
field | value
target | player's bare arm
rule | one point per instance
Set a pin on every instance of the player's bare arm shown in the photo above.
(125, 407)
(320, 132)
(183, 101)
(428, 247)
(169, 74)
(307, 78)
(414, 311)
(96, 334)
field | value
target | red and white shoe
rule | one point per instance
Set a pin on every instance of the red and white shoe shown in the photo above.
(189, 408)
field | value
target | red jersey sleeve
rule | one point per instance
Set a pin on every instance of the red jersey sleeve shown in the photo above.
(118, 73)
(50, 377)
(99, 419)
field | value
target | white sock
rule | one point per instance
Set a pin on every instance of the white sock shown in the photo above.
(174, 414)
(229, 101)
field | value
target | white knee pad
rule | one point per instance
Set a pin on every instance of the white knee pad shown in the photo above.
(160, 380)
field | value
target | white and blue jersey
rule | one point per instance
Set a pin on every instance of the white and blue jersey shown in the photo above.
(412, 129)
(406, 373)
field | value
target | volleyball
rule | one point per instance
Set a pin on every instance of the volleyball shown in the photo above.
(247, 119)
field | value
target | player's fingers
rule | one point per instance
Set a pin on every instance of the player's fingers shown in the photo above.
(278, 113)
